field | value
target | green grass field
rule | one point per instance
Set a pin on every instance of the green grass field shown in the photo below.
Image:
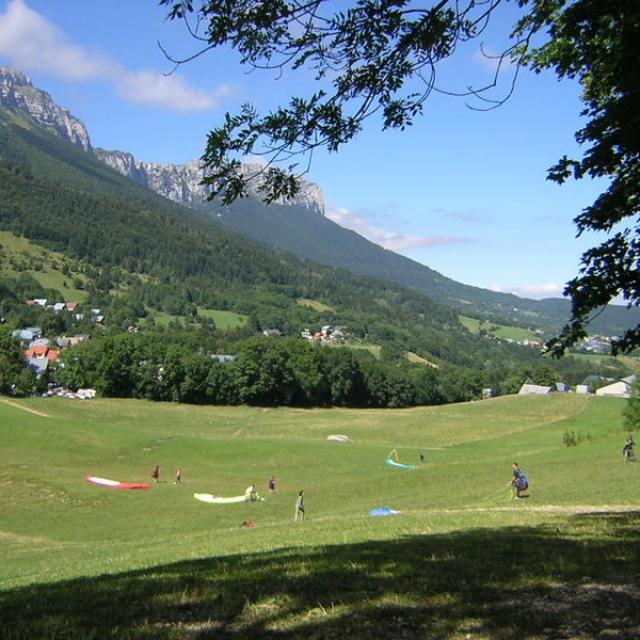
(315, 304)
(461, 560)
(223, 319)
(503, 331)
(21, 251)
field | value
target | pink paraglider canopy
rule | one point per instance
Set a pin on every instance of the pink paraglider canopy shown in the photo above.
(114, 484)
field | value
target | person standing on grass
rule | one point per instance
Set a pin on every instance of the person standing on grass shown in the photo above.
(627, 450)
(155, 474)
(178, 479)
(271, 484)
(299, 512)
(519, 481)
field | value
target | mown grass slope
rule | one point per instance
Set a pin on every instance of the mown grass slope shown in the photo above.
(462, 558)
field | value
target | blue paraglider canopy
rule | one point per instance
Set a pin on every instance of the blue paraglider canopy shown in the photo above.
(383, 511)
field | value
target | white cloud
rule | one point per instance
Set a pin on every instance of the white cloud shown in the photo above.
(385, 238)
(32, 43)
(535, 291)
(171, 92)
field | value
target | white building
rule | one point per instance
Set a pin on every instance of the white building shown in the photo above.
(534, 389)
(620, 389)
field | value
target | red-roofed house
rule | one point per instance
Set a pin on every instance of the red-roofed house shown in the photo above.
(39, 350)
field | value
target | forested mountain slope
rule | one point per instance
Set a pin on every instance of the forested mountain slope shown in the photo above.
(311, 235)
(61, 197)
(140, 256)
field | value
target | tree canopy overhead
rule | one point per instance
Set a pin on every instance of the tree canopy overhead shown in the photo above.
(380, 57)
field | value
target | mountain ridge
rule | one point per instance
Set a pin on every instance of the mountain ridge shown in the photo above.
(180, 183)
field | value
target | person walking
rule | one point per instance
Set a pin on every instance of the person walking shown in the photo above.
(155, 474)
(299, 512)
(178, 479)
(271, 484)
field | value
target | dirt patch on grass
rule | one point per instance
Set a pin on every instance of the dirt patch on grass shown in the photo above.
(19, 406)
(9, 536)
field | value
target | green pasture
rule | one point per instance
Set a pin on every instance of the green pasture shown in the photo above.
(506, 332)
(414, 358)
(461, 560)
(607, 361)
(223, 319)
(315, 304)
(25, 253)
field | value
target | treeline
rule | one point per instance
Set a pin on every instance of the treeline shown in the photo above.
(263, 371)
(185, 367)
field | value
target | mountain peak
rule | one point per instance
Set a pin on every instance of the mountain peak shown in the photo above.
(13, 76)
(17, 92)
(180, 183)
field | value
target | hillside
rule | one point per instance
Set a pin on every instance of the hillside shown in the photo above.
(311, 235)
(149, 263)
(174, 288)
(299, 226)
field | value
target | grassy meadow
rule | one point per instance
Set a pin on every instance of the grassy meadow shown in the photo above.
(503, 331)
(461, 560)
(223, 319)
(20, 255)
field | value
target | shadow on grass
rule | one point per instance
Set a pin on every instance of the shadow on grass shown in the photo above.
(577, 581)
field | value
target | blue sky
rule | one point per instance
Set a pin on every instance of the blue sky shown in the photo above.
(462, 191)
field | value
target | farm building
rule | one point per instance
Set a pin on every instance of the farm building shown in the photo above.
(534, 389)
(620, 389)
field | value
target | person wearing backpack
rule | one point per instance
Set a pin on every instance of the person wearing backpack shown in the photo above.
(519, 481)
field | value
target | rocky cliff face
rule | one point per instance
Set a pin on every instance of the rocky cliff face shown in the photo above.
(180, 183)
(177, 182)
(17, 92)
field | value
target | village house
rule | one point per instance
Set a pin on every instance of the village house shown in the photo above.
(326, 333)
(38, 366)
(41, 349)
(223, 357)
(27, 334)
(70, 341)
